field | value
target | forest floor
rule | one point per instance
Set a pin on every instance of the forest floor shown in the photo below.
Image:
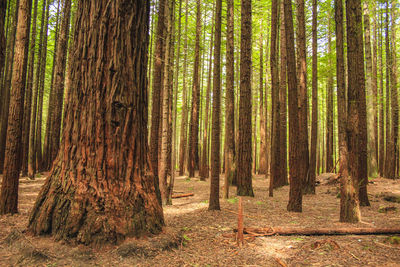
(207, 237)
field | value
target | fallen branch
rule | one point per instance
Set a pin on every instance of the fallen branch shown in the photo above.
(269, 231)
(183, 195)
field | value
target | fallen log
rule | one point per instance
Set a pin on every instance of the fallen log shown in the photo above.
(183, 195)
(269, 231)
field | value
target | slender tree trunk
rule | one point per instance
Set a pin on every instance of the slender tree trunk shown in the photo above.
(275, 131)
(184, 115)
(387, 97)
(262, 169)
(28, 95)
(375, 87)
(230, 101)
(216, 125)
(156, 91)
(381, 157)
(194, 114)
(357, 121)
(204, 170)
(42, 70)
(12, 162)
(7, 86)
(295, 155)
(392, 171)
(310, 184)
(3, 43)
(349, 205)
(329, 107)
(283, 180)
(254, 99)
(303, 96)
(372, 162)
(79, 199)
(244, 160)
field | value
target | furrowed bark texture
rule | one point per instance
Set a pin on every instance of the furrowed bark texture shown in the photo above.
(101, 188)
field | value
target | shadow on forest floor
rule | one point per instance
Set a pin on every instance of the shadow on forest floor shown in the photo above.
(195, 236)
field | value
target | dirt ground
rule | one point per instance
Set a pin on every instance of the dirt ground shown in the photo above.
(204, 238)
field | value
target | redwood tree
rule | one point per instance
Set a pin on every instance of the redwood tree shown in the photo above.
(244, 159)
(12, 162)
(101, 188)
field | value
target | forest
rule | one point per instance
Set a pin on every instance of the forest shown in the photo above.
(199, 133)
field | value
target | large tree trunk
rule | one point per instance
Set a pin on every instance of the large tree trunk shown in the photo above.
(310, 183)
(295, 156)
(216, 125)
(194, 114)
(101, 188)
(12, 162)
(244, 160)
(156, 91)
(372, 162)
(230, 101)
(275, 131)
(349, 205)
(184, 114)
(59, 79)
(357, 121)
(7, 87)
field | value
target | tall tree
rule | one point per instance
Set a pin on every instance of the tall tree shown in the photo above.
(216, 125)
(372, 161)
(12, 162)
(275, 132)
(302, 91)
(262, 164)
(295, 156)
(28, 94)
(195, 110)
(392, 169)
(156, 91)
(59, 79)
(3, 11)
(387, 102)
(244, 159)
(329, 106)
(381, 157)
(80, 199)
(229, 100)
(349, 205)
(357, 120)
(184, 114)
(310, 183)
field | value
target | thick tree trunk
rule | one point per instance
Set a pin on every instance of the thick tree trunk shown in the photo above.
(349, 205)
(372, 161)
(194, 114)
(156, 91)
(244, 160)
(12, 162)
(7, 86)
(356, 120)
(295, 155)
(216, 125)
(310, 184)
(230, 101)
(101, 187)
(275, 129)
(184, 114)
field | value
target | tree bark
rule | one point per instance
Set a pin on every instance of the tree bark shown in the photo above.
(230, 101)
(381, 157)
(101, 187)
(216, 125)
(357, 121)
(262, 163)
(310, 188)
(194, 114)
(244, 160)
(329, 106)
(12, 162)
(295, 155)
(349, 204)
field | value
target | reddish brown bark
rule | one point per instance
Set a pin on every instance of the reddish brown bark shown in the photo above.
(12, 162)
(244, 160)
(329, 107)
(101, 187)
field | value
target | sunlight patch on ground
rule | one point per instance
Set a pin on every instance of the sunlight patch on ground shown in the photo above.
(191, 207)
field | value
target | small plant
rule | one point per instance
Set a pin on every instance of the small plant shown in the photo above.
(205, 201)
(259, 203)
(187, 179)
(233, 200)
